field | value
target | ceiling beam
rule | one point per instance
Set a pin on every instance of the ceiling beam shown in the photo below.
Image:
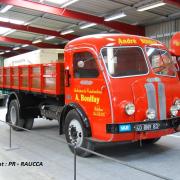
(172, 2)
(13, 53)
(5, 48)
(122, 27)
(22, 41)
(37, 30)
(7, 55)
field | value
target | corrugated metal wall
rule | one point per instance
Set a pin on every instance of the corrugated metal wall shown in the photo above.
(163, 31)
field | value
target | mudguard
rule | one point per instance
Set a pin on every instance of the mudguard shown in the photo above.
(80, 111)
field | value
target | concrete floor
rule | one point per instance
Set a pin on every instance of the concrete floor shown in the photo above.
(44, 145)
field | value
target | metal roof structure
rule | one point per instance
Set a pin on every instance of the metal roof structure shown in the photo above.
(42, 24)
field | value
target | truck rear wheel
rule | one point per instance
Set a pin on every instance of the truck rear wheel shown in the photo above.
(13, 115)
(76, 134)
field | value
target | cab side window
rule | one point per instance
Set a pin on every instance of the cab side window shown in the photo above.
(84, 65)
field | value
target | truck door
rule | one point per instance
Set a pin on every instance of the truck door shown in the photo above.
(89, 90)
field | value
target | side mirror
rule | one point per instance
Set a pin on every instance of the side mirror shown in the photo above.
(80, 64)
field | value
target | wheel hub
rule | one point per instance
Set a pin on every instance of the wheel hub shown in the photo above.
(75, 133)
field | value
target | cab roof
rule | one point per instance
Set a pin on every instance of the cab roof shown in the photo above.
(100, 40)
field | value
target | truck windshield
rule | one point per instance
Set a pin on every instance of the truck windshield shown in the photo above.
(124, 61)
(161, 61)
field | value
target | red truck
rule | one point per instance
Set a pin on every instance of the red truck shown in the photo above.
(110, 88)
(175, 50)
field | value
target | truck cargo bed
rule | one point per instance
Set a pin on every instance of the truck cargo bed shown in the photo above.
(41, 78)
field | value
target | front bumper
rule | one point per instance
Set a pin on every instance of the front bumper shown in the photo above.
(143, 126)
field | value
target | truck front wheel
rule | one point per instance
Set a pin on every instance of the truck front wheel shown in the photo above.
(13, 115)
(76, 134)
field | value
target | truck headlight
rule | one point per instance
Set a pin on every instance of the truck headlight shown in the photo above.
(174, 110)
(130, 109)
(177, 104)
(150, 114)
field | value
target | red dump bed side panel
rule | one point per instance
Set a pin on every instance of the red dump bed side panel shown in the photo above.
(41, 78)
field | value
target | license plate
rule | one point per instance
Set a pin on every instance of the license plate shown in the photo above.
(147, 127)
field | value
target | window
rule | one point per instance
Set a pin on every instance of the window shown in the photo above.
(84, 65)
(161, 61)
(124, 61)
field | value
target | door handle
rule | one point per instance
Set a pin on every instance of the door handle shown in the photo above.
(67, 78)
(103, 87)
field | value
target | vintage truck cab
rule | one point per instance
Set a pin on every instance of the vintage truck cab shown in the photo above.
(126, 85)
(108, 88)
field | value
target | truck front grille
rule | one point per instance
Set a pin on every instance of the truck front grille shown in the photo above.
(162, 101)
(151, 96)
(152, 101)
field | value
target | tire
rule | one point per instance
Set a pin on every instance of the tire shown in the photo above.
(76, 134)
(28, 123)
(150, 141)
(13, 115)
